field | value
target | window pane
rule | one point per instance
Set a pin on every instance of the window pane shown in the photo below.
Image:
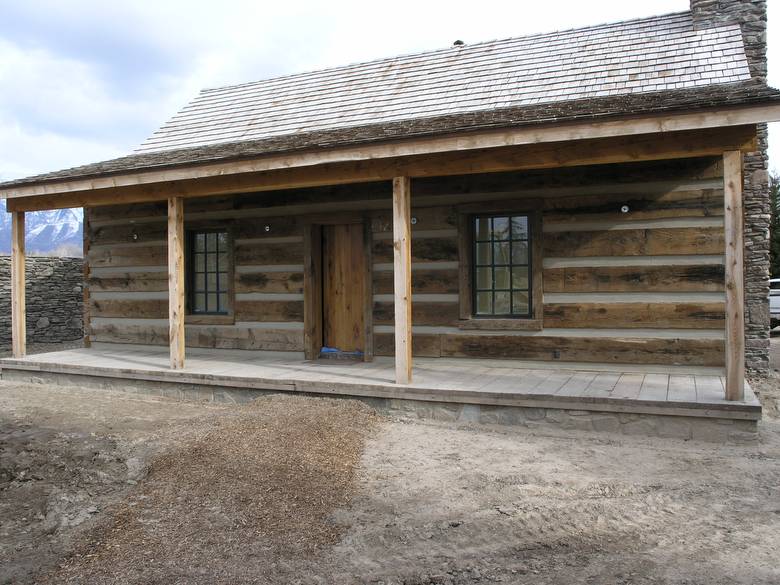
(520, 277)
(200, 263)
(223, 302)
(200, 241)
(200, 303)
(223, 261)
(500, 228)
(211, 302)
(502, 303)
(222, 241)
(483, 254)
(501, 253)
(520, 303)
(223, 281)
(484, 303)
(482, 228)
(501, 272)
(212, 281)
(484, 278)
(519, 252)
(200, 282)
(520, 227)
(211, 242)
(502, 278)
(211, 262)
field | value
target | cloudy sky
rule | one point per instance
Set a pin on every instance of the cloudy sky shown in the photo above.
(88, 80)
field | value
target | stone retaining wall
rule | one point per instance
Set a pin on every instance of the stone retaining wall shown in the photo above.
(54, 300)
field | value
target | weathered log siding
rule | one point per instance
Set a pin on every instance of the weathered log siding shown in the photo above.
(644, 286)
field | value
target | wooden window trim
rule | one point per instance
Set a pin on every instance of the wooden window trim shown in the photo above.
(529, 207)
(228, 318)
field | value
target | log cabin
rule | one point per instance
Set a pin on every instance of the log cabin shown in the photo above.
(568, 226)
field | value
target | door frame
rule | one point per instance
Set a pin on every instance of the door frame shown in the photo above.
(312, 281)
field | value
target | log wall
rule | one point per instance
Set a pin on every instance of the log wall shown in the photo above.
(646, 286)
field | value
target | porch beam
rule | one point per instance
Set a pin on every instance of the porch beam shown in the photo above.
(735, 298)
(18, 309)
(176, 280)
(402, 278)
(636, 125)
(692, 143)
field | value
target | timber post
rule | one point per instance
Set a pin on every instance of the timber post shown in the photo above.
(176, 280)
(402, 278)
(18, 309)
(735, 292)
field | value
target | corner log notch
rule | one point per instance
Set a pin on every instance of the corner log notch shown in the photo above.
(176, 280)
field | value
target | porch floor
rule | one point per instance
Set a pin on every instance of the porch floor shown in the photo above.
(596, 387)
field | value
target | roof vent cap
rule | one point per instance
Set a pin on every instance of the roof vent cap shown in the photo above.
(458, 43)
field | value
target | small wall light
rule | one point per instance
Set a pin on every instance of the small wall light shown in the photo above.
(414, 221)
(268, 228)
(624, 209)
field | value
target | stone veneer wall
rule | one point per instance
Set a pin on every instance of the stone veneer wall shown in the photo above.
(54, 300)
(751, 16)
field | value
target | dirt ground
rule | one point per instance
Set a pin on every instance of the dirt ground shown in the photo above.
(103, 487)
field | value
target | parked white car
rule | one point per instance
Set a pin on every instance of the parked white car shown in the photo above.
(774, 302)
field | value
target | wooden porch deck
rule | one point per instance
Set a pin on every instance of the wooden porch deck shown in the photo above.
(697, 392)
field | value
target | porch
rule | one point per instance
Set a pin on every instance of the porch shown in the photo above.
(471, 390)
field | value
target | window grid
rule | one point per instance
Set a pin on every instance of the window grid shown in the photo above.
(502, 266)
(209, 282)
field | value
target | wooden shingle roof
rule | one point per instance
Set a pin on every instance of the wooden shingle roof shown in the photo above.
(644, 55)
(644, 66)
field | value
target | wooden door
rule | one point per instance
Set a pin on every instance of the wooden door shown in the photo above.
(343, 288)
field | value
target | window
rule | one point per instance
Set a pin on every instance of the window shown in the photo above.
(209, 281)
(502, 266)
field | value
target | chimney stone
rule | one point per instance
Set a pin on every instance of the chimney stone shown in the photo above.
(749, 14)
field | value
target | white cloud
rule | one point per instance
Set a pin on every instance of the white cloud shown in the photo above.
(24, 153)
(87, 80)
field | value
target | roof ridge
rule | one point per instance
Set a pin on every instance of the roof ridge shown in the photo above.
(603, 25)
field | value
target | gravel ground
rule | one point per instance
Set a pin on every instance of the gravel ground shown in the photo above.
(100, 487)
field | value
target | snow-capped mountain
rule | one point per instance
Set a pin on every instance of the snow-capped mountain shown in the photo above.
(46, 232)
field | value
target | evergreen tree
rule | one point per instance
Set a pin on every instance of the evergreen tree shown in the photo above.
(774, 226)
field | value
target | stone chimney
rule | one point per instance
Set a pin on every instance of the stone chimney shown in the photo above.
(749, 14)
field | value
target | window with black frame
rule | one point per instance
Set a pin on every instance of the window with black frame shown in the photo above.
(209, 280)
(501, 274)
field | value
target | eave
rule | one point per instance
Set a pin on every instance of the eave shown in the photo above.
(383, 160)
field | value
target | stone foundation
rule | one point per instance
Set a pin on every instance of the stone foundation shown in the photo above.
(720, 430)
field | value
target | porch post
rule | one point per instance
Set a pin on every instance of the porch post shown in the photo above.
(176, 280)
(735, 296)
(18, 310)
(402, 278)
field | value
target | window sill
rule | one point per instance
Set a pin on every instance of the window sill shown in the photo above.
(501, 324)
(209, 320)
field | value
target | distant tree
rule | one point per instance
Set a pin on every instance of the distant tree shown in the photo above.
(774, 227)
